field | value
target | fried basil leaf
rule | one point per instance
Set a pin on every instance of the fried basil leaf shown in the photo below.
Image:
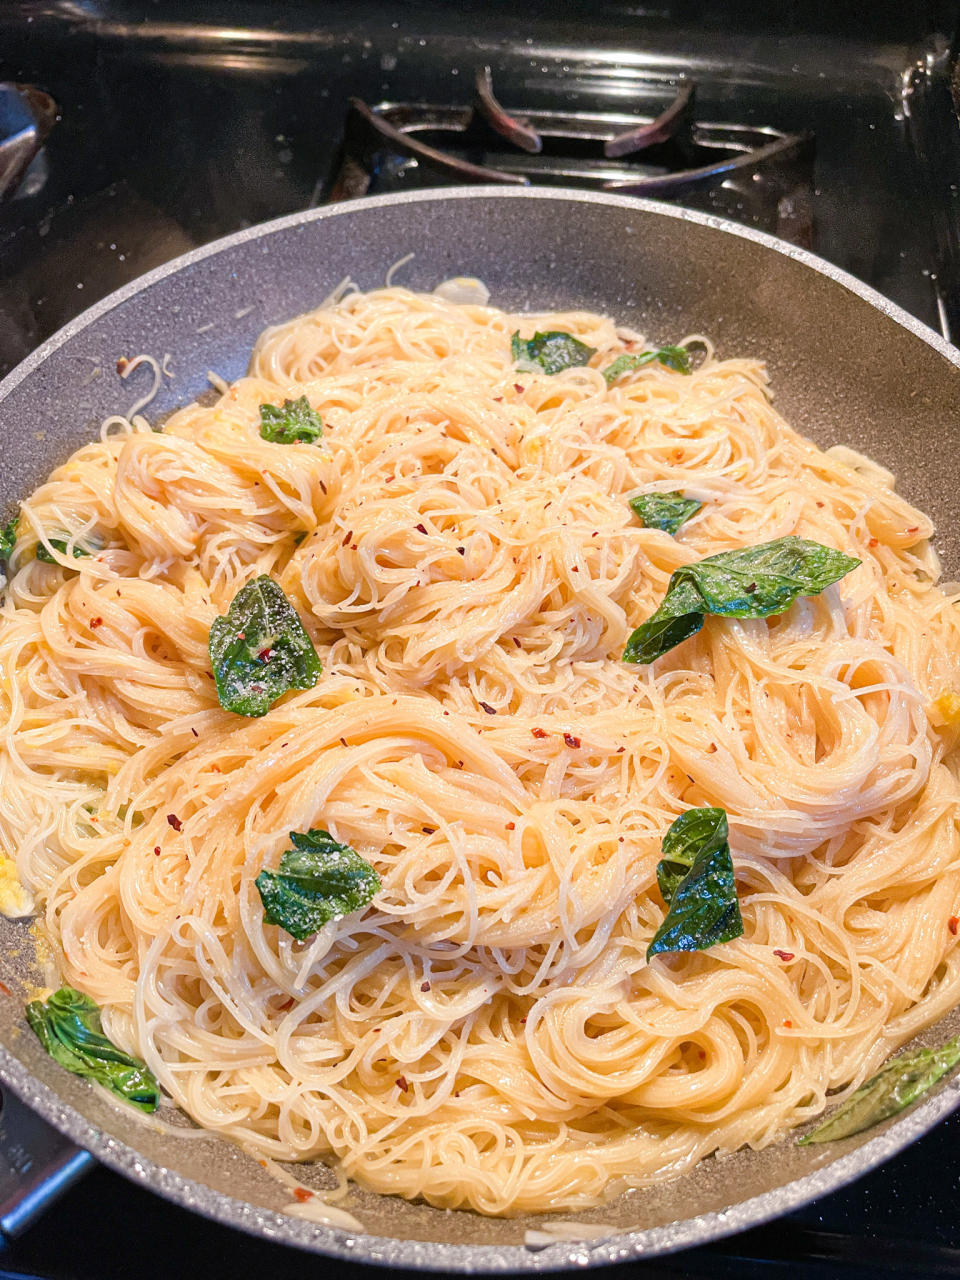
(318, 880)
(899, 1082)
(292, 423)
(58, 544)
(751, 582)
(68, 1026)
(696, 879)
(666, 511)
(676, 358)
(259, 650)
(553, 351)
(8, 539)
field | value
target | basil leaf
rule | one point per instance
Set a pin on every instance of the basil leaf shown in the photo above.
(899, 1082)
(666, 511)
(8, 539)
(259, 650)
(68, 1026)
(751, 582)
(696, 879)
(676, 358)
(318, 880)
(553, 351)
(293, 423)
(696, 831)
(58, 544)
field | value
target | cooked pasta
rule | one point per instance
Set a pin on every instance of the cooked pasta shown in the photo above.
(488, 1032)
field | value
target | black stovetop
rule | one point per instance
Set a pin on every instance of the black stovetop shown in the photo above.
(179, 123)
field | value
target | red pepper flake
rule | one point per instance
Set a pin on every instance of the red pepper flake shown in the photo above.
(575, 569)
(787, 1022)
(539, 733)
(95, 622)
(511, 826)
(424, 986)
(499, 399)
(620, 750)
(156, 850)
(265, 654)
(174, 822)
(344, 742)
(302, 1194)
(491, 711)
(701, 1054)
(347, 538)
(194, 732)
(461, 551)
(401, 1082)
(421, 528)
(428, 831)
(571, 741)
(518, 389)
(820, 504)
(952, 924)
(914, 528)
(459, 764)
(516, 642)
(5, 989)
(874, 542)
(783, 955)
(711, 748)
(287, 1004)
(241, 635)
(322, 486)
(389, 479)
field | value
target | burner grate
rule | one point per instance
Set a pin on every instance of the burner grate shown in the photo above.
(733, 168)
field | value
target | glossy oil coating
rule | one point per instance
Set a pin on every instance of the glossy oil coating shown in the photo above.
(847, 366)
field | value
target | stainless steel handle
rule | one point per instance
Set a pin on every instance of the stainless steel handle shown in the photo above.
(37, 1164)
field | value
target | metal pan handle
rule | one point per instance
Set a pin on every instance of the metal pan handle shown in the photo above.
(37, 1164)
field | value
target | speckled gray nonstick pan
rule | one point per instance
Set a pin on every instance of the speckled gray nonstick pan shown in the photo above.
(847, 366)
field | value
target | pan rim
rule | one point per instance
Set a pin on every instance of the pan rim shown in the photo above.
(436, 1256)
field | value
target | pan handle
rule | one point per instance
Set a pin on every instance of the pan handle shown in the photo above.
(37, 1164)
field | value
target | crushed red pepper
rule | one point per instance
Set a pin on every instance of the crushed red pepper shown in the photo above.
(174, 822)
(783, 955)
(570, 740)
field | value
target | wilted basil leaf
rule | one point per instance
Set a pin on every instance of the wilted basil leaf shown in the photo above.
(899, 1082)
(318, 880)
(68, 1026)
(8, 539)
(666, 511)
(553, 351)
(676, 358)
(294, 423)
(752, 582)
(259, 650)
(58, 544)
(696, 879)
(694, 833)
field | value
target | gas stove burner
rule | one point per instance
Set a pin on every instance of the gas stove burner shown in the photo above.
(669, 155)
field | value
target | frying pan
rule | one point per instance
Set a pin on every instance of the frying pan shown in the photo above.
(848, 366)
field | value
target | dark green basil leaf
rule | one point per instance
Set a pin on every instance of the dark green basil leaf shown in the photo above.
(696, 879)
(676, 358)
(899, 1082)
(58, 544)
(751, 582)
(294, 423)
(8, 539)
(68, 1026)
(695, 832)
(553, 351)
(259, 650)
(666, 511)
(318, 880)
